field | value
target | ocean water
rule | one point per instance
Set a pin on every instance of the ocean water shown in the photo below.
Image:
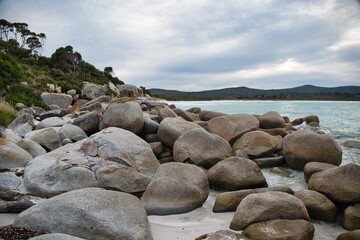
(339, 119)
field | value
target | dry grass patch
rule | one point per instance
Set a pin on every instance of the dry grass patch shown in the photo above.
(7, 113)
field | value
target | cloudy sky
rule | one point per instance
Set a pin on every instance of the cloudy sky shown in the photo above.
(205, 44)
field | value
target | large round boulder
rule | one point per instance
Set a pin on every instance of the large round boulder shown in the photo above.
(90, 213)
(22, 124)
(235, 173)
(341, 184)
(257, 144)
(206, 115)
(302, 147)
(92, 90)
(281, 229)
(176, 188)
(271, 120)
(351, 235)
(200, 147)
(171, 129)
(232, 127)
(12, 156)
(73, 132)
(318, 206)
(259, 207)
(166, 112)
(127, 115)
(59, 99)
(31, 147)
(89, 122)
(351, 220)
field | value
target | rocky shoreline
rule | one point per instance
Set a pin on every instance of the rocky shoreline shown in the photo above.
(95, 167)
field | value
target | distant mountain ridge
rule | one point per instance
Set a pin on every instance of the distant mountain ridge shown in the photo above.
(305, 92)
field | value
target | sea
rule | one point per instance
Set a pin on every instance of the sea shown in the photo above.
(341, 120)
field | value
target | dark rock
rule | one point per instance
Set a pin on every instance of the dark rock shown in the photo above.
(46, 137)
(89, 122)
(351, 220)
(352, 235)
(270, 162)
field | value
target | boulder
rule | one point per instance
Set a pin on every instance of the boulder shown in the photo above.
(22, 124)
(51, 122)
(311, 118)
(257, 144)
(60, 99)
(170, 129)
(240, 153)
(222, 235)
(269, 162)
(127, 90)
(12, 156)
(275, 131)
(166, 112)
(302, 147)
(157, 148)
(314, 167)
(195, 110)
(201, 148)
(90, 213)
(89, 122)
(176, 188)
(92, 90)
(352, 144)
(351, 220)
(341, 184)
(55, 236)
(318, 206)
(9, 181)
(188, 116)
(19, 204)
(352, 235)
(259, 207)
(150, 126)
(31, 147)
(73, 132)
(271, 120)
(281, 229)
(53, 113)
(229, 201)
(232, 127)
(235, 173)
(46, 137)
(208, 115)
(127, 115)
(98, 104)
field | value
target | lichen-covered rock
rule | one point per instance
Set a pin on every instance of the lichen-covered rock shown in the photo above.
(302, 147)
(201, 148)
(259, 207)
(92, 90)
(90, 213)
(176, 188)
(236, 173)
(341, 184)
(232, 127)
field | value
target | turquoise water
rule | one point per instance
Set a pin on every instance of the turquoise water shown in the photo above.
(342, 119)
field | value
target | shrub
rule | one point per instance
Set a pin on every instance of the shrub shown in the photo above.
(7, 113)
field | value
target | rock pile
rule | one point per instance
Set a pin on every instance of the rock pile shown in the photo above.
(95, 168)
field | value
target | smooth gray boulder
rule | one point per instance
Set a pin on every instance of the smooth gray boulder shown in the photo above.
(232, 127)
(90, 213)
(127, 115)
(166, 112)
(281, 229)
(341, 184)
(31, 147)
(22, 124)
(257, 144)
(92, 90)
(171, 129)
(60, 99)
(176, 188)
(201, 148)
(51, 122)
(12, 156)
(235, 173)
(259, 207)
(46, 137)
(150, 126)
(304, 146)
(73, 132)
(188, 116)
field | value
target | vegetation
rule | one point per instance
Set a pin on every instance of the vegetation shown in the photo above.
(24, 73)
(306, 92)
(7, 113)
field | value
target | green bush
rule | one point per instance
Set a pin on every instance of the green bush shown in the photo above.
(27, 95)
(10, 72)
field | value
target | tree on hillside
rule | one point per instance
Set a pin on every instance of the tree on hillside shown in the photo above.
(67, 60)
(109, 73)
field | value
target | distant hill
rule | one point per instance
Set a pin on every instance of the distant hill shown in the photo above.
(306, 92)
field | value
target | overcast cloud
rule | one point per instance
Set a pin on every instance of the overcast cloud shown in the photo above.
(205, 44)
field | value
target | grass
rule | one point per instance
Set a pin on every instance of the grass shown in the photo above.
(7, 113)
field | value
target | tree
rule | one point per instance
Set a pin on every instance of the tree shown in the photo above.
(67, 60)
(34, 44)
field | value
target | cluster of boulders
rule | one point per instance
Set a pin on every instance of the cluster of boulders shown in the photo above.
(95, 168)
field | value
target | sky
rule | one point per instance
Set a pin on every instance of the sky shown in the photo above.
(204, 44)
